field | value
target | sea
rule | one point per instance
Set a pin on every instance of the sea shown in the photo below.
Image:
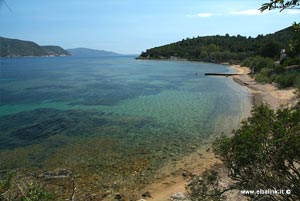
(112, 122)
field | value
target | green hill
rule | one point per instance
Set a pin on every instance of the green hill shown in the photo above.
(55, 50)
(19, 48)
(223, 48)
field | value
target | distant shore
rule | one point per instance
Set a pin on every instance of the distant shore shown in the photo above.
(33, 56)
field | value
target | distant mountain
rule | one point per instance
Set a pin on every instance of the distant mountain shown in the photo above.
(86, 52)
(18, 48)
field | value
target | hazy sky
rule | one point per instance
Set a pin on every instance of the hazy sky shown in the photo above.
(131, 26)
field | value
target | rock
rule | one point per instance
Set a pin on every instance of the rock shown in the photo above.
(56, 174)
(146, 195)
(119, 197)
(234, 195)
(179, 197)
(187, 174)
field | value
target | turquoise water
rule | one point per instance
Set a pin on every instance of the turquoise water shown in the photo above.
(111, 117)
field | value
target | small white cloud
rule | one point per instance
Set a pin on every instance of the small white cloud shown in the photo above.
(205, 14)
(247, 12)
(293, 12)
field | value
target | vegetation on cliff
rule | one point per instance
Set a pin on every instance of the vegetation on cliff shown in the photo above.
(224, 48)
(16, 48)
(260, 53)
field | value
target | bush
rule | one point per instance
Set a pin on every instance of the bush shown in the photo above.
(258, 63)
(205, 187)
(265, 152)
(265, 75)
(25, 189)
(297, 81)
(288, 79)
(291, 61)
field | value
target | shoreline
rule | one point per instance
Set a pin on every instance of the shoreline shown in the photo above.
(267, 93)
(34, 56)
(174, 179)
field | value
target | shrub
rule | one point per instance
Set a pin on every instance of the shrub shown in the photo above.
(287, 79)
(292, 61)
(265, 76)
(258, 63)
(297, 81)
(24, 189)
(265, 152)
(205, 187)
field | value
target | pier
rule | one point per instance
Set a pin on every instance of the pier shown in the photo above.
(221, 74)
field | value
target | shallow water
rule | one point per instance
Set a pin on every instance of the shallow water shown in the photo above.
(111, 120)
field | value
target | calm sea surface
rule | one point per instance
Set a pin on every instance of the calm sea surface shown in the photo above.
(111, 119)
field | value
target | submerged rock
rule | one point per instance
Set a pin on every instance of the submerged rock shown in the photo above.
(56, 174)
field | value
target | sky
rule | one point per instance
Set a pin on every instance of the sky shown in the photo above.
(132, 26)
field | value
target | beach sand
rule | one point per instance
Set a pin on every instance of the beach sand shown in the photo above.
(265, 93)
(175, 176)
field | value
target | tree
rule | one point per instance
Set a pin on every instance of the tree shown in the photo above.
(280, 4)
(270, 49)
(265, 152)
(294, 45)
(3, 2)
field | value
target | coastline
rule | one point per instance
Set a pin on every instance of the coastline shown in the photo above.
(174, 178)
(33, 56)
(264, 93)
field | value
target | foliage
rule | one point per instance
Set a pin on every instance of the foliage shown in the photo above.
(265, 152)
(270, 49)
(258, 62)
(288, 79)
(291, 61)
(224, 48)
(265, 75)
(280, 4)
(25, 189)
(13, 48)
(294, 45)
(205, 187)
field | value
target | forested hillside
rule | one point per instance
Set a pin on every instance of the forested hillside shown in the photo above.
(260, 54)
(223, 48)
(16, 48)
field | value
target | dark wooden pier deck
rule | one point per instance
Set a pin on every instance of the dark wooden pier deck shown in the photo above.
(220, 74)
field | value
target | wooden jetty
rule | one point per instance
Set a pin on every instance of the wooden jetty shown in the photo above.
(220, 74)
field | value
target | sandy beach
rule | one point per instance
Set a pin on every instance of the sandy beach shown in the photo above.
(264, 93)
(174, 177)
